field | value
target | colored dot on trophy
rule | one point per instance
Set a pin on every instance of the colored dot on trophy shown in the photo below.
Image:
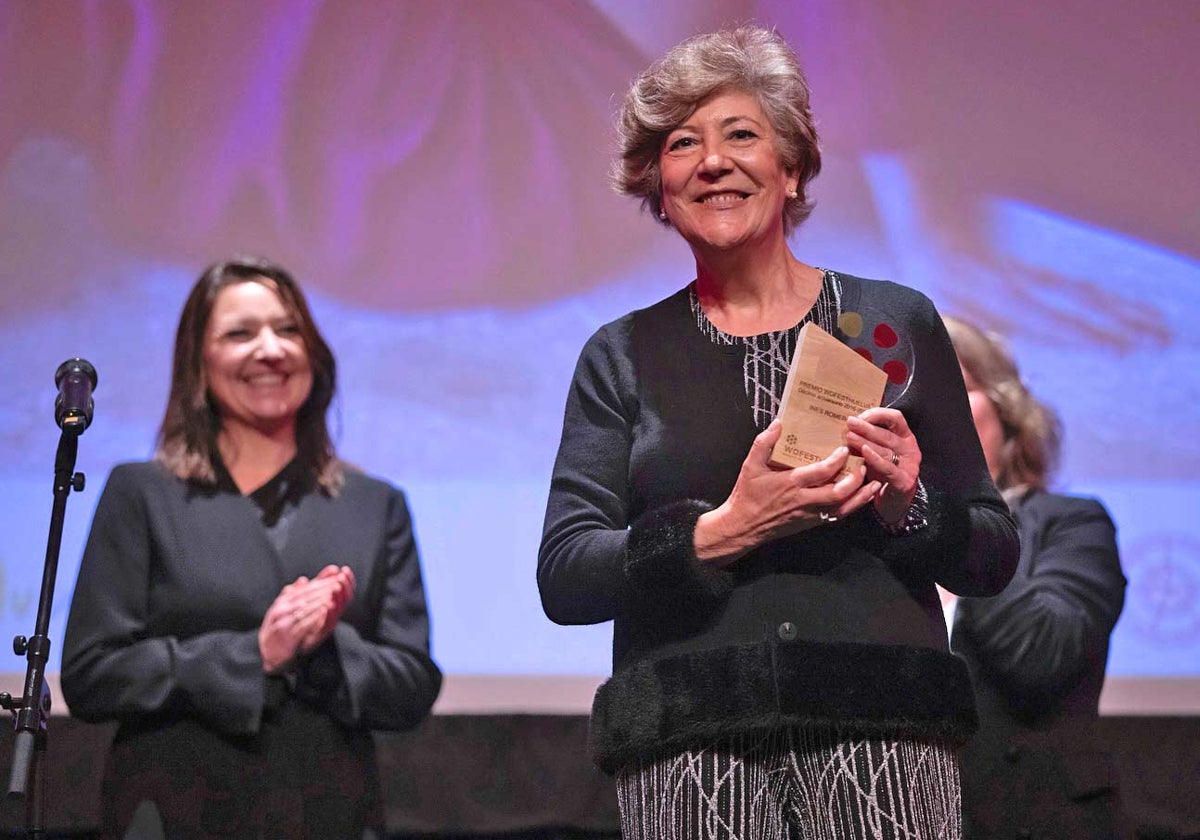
(851, 323)
(864, 352)
(897, 372)
(885, 336)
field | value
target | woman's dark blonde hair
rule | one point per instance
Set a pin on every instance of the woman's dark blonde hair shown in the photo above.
(187, 438)
(1032, 431)
(749, 59)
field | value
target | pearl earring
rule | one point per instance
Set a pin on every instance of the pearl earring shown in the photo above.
(662, 214)
(793, 194)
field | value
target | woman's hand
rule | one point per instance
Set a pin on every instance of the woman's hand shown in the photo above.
(767, 503)
(341, 591)
(892, 457)
(303, 615)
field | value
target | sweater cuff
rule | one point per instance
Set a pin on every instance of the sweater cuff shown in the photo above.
(914, 519)
(660, 557)
(945, 532)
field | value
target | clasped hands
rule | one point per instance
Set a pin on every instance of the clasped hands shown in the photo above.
(303, 615)
(767, 502)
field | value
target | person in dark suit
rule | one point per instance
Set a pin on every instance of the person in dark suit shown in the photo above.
(248, 606)
(1037, 651)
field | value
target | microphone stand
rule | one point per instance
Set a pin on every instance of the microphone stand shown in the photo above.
(32, 711)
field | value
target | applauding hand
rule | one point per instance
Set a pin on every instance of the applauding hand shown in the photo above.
(303, 615)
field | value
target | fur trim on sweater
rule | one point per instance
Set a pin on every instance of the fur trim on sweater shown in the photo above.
(693, 700)
(661, 565)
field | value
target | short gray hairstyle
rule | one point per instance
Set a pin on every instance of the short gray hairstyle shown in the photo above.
(750, 59)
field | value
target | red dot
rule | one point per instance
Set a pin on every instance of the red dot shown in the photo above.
(897, 371)
(885, 336)
(864, 352)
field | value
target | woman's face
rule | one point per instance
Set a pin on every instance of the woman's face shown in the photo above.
(987, 424)
(723, 183)
(255, 362)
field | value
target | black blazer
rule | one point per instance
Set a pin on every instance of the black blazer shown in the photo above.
(163, 637)
(175, 581)
(1037, 654)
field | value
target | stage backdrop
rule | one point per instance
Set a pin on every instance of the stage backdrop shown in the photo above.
(435, 174)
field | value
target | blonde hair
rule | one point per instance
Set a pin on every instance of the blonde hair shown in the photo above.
(749, 59)
(1032, 431)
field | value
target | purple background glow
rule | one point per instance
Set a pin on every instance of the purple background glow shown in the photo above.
(435, 174)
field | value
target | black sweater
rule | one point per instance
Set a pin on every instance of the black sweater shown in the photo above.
(838, 626)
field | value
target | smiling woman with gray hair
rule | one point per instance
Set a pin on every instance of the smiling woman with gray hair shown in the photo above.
(780, 664)
(664, 97)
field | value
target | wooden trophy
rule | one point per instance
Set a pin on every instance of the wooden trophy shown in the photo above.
(826, 383)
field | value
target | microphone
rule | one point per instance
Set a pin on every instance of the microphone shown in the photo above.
(75, 380)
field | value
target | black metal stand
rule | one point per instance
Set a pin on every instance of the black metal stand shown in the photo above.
(32, 711)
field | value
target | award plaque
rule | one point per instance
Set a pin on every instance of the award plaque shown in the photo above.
(826, 383)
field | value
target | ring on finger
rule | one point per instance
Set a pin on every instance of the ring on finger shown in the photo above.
(895, 459)
(826, 516)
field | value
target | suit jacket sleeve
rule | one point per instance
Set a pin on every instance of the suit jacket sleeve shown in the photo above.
(112, 664)
(1055, 617)
(378, 673)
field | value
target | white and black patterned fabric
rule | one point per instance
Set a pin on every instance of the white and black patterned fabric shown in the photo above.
(769, 354)
(795, 784)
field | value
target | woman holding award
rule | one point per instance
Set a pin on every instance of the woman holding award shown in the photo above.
(780, 661)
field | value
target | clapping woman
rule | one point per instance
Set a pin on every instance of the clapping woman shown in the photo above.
(248, 606)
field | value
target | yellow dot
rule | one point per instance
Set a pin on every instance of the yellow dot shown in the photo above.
(851, 323)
